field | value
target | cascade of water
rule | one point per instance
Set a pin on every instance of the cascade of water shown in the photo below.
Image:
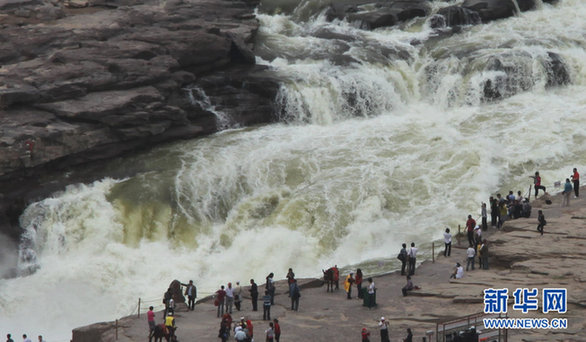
(198, 97)
(390, 136)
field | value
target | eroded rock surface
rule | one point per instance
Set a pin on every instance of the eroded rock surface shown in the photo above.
(88, 80)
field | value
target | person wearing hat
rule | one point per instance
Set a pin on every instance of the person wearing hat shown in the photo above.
(384, 330)
(477, 234)
(239, 334)
(348, 285)
(170, 325)
(365, 335)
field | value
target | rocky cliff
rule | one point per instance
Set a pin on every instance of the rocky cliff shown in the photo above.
(85, 80)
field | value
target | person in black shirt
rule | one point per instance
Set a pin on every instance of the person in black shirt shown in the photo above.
(254, 294)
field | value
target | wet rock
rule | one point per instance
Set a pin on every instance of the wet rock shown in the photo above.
(88, 80)
(455, 16)
(489, 10)
(379, 14)
(556, 69)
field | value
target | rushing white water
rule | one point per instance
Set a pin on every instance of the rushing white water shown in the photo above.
(387, 138)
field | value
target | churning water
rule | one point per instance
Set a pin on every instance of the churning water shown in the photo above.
(386, 137)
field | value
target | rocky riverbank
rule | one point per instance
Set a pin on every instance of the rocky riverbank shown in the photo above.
(519, 258)
(88, 80)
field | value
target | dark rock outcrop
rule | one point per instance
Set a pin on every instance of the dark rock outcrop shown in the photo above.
(82, 81)
(455, 16)
(384, 14)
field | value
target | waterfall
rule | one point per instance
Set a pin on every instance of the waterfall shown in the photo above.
(385, 136)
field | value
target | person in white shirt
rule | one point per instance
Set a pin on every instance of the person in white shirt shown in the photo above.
(412, 259)
(229, 298)
(371, 293)
(384, 330)
(458, 272)
(448, 242)
(470, 253)
(237, 295)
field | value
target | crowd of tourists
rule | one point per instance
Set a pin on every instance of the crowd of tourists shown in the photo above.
(228, 299)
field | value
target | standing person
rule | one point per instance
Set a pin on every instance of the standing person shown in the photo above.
(41, 338)
(270, 286)
(537, 183)
(371, 293)
(277, 329)
(295, 295)
(494, 211)
(484, 254)
(229, 298)
(167, 299)
(270, 333)
(224, 331)
(9, 338)
(336, 276)
(404, 258)
(502, 214)
(220, 297)
(254, 295)
(412, 258)
(348, 285)
(290, 277)
(191, 293)
(477, 234)
(567, 193)
(470, 253)
(170, 325)
(409, 337)
(484, 215)
(151, 321)
(266, 300)
(237, 295)
(250, 329)
(470, 224)
(365, 335)
(576, 180)
(25, 338)
(447, 242)
(541, 221)
(384, 330)
(358, 281)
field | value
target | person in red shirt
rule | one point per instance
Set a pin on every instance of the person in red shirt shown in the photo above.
(249, 326)
(365, 335)
(537, 183)
(470, 224)
(277, 329)
(576, 180)
(151, 320)
(220, 297)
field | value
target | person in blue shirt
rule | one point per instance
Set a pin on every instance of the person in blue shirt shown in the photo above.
(567, 192)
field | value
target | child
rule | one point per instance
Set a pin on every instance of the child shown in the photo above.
(365, 335)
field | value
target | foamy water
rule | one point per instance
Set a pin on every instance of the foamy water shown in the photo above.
(377, 150)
